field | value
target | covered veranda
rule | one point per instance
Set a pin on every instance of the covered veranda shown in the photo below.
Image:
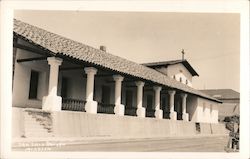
(82, 78)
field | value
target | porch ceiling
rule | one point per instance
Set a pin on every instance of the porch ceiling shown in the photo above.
(57, 45)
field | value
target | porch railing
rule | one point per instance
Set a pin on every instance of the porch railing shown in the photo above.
(79, 105)
(73, 104)
(179, 116)
(150, 112)
(130, 111)
(166, 114)
(105, 108)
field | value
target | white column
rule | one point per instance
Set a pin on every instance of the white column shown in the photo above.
(173, 114)
(52, 102)
(119, 108)
(158, 111)
(140, 110)
(91, 105)
(184, 107)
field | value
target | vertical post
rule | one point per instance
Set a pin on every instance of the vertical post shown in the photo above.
(184, 107)
(173, 114)
(52, 102)
(91, 105)
(119, 108)
(158, 111)
(140, 110)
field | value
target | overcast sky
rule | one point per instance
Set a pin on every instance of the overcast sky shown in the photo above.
(211, 41)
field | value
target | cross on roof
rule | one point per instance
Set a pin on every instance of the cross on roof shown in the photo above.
(183, 53)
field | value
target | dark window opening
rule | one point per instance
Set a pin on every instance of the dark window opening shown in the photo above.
(129, 98)
(163, 102)
(198, 127)
(33, 84)
(149, 101)
(106, 94)
(64, 88)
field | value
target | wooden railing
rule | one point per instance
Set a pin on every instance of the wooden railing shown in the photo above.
(73, 104)
(130, 111)
(179, 116)
(166, 115)
(79, 105)
(105, 108)
(150, 112)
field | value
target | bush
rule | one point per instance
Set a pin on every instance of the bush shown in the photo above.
(230, 121)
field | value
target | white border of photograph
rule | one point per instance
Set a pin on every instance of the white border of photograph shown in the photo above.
(219, 6)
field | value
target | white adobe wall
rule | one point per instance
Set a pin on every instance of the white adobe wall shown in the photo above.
(202, 110)
(215, 113)
(207, 111)
(185, 75)
(22, 81)
(175, 70)
(81, 124)
(192, 109)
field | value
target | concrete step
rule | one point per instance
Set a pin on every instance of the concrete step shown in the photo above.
(35, 130)
(33, 124)
(34, 127)
(39, 134)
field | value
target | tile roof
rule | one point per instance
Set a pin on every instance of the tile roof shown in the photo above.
(222, 93)
(59, 45)
(173, 62)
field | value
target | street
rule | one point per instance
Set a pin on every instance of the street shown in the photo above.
(188, 144)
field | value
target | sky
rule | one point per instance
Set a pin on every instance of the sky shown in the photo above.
(211, 40)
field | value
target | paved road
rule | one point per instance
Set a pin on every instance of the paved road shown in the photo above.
(191, 144)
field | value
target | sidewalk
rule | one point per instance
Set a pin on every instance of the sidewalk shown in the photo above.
(52, 141)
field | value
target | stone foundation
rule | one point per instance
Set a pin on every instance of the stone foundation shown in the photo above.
(82, 124)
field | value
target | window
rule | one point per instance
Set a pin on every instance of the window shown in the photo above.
(180, 79)
(174, 77)
(186, 81)
(198, 127)
(33, 84)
